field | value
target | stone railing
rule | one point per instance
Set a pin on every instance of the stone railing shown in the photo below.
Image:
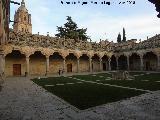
(35, 40)
(153, 42)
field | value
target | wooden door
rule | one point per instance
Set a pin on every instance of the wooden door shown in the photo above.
(16, 69)
(69, 67)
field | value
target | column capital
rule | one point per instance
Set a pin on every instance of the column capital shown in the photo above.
(27, 58)
(109, 59)
(141, 56)
(47, 57)
(90, 58)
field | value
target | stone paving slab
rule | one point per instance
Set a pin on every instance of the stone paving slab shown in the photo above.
(21, 99)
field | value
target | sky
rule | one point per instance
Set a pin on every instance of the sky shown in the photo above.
(102, 21)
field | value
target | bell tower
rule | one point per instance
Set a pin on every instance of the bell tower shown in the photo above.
(22, 20)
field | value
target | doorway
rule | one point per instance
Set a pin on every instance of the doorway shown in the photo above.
(16, 69)
(69, 67)
(104, 67)
(147, 65)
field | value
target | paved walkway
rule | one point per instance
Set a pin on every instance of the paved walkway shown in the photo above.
(21, 99)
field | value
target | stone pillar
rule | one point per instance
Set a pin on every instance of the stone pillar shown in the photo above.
(142, 66)
(27, 66)
(77, 65)
(128, 66)
(158, 62)
(90, 64)
(47, 65)
(100, 64)
(2, 66)
(109, 64)
(117, 63)
(64, 64)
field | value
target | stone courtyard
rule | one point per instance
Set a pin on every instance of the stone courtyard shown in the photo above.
(24, 100)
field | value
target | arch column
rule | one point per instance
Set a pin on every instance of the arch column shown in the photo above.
(78, 65)
(142, 65)
(47, 65)
(2, 64)
(27, 65)
(117, 63)
(90, 64)
(109, 61)
(100, 64)
(128, 63)
(64, 65)
(158, 62)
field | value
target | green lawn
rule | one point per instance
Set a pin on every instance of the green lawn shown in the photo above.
(85, 95)
(151, 77)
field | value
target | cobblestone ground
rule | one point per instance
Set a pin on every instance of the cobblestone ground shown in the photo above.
(21, 99)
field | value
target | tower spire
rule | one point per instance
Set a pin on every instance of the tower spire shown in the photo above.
(23, 3)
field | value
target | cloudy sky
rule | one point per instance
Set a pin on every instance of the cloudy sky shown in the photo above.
(102, 21)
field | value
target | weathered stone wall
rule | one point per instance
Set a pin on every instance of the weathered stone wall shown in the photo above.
(55, 65)
(84, 65)
(152, 62)
(74, 65)
(9, 61)
(37, 66)
(96, 66)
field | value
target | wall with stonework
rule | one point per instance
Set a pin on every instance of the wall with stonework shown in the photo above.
(135, 64)
(74, 64)
(37, 66)
(84, 65)
(9, 61)
(55, 65)
(96, 66)
(152, 62)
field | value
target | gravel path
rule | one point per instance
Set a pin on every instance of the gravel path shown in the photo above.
(21, 99)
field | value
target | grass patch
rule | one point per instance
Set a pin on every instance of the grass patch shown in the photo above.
(85, 95)
(149, 85)
(151, 77)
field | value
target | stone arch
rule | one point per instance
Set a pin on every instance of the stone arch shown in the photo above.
(84, 63)
(95, 63)
(55, 63)
(122, 62)
(105, 63)
(134, 61)
(71, 63)
(63, 53)
(150, 61)
(37, 63)
(15, 64)
(113, 62)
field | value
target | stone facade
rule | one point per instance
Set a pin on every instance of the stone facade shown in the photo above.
(34, 54)
(22, 20)
(4, 32)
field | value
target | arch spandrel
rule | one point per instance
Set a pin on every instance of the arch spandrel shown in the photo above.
(90, 54)
(7, 50)
(63, 53)
(28, 50)
(47, 52)
(77, 53)
(100, 54)
(110, 54)
(141, 53)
